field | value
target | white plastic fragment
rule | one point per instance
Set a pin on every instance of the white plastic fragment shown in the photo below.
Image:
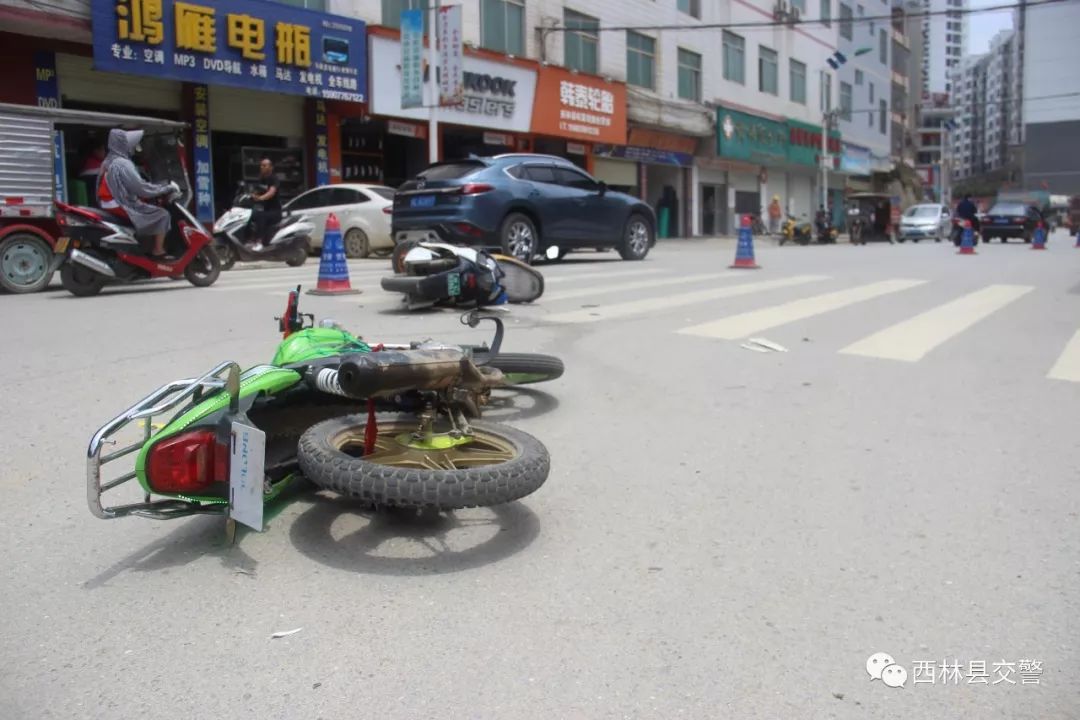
(755, 348)
(769, 344)
(285, 633)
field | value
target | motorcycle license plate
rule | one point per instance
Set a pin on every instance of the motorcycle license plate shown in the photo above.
(422, 201)
(247, 461)
(61, 245)
(453, 284)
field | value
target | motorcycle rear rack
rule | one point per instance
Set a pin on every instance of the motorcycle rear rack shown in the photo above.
(161, 400)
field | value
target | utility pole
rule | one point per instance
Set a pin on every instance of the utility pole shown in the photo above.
(433, 85)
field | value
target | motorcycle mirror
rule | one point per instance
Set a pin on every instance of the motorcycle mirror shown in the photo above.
(552, 253)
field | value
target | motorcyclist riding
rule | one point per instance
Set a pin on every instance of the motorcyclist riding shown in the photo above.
(269, 214)
(967, 210)
(121, 191)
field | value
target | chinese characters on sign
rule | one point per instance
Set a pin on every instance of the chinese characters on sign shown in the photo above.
(881, 666)
(451, 63)
(322, 150)
(412, 58)
(263, 46)
(576, 99)
(204, 173)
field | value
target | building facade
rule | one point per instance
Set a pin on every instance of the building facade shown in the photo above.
(1050, 106)
(944, 43)
(704, 124)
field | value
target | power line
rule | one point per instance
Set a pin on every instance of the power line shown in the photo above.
(826, 21)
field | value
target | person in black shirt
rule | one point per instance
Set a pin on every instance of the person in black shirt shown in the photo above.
(966, 210)
(267, 211)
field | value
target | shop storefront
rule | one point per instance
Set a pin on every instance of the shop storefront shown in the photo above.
(495, 118)
(573, 113)
(779, 157)
(252, 78)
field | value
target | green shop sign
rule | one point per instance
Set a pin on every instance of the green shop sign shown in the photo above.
(742, 136)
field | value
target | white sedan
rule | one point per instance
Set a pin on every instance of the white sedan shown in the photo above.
(362, 210)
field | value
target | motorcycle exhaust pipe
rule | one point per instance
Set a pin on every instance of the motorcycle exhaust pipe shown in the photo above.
(87, 260)
(390, 372)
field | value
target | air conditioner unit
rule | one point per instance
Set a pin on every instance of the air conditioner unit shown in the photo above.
(780, 10)
(795, 16)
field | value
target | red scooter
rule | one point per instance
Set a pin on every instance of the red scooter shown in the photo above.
(100, 248)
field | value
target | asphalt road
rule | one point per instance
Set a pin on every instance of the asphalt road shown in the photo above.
(724, 533)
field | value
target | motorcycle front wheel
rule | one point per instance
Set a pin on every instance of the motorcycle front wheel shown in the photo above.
(523, 368)
(204, 268)
(493, 465)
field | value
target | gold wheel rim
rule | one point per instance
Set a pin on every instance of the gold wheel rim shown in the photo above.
(396, 447)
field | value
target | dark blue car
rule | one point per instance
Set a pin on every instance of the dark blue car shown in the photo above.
(520, 205)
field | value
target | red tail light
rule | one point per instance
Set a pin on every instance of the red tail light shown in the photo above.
(475, 188)
(469, 229)
(188, 463)
(388, 210)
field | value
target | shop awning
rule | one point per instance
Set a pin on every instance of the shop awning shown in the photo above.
(646, 109)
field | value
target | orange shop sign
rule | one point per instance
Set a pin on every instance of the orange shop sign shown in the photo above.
(579, 107)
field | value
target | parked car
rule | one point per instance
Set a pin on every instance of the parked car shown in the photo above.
(1011, 219)
(363, 211)
(520, 205)
(928, 220)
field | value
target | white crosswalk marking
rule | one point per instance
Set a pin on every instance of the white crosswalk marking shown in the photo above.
(636, 307)
(912, 339)
(746, 324)
(601, 289)
(1067, 366)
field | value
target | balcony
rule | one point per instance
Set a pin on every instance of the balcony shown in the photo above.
(901, 39)
(901, 80)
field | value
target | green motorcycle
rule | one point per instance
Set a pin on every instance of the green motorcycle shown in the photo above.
(395, 425)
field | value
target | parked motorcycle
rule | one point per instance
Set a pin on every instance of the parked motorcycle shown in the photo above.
(435, 273)
(796, 231)
(826, 232)
(290, 240)
(100, 248)
(233, 441)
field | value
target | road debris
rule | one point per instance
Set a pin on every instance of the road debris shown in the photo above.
(285, 633)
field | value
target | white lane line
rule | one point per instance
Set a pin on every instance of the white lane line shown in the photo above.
(641, 285)
(911, 340)
(598, 275)
(636, 307)
(307, 281)
(1067, 366)
(750, 323)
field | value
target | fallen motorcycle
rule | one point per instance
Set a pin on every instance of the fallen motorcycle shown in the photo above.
(394, 425)
(439, 274)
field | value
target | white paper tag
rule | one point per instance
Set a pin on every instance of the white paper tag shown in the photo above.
(246, 474)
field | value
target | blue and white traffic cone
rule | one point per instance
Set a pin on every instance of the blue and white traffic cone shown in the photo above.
(744, 252)
(1038, 238)
(967, 240)
(333, 266)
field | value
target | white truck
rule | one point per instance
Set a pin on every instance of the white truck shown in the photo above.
(32, 176)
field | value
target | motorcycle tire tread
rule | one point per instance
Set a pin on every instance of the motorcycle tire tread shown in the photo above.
(329, 468)
(549, 366)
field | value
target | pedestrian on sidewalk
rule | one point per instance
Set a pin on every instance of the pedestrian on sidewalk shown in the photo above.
(774, 215)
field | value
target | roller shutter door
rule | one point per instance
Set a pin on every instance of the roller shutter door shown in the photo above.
(259, 113)
(79, 82)
(614, 172)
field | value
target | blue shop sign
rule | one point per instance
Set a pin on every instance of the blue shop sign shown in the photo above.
(243, 43)
(855, 160)
(647, 155)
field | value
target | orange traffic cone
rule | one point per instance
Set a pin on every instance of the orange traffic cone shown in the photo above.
(333, 266)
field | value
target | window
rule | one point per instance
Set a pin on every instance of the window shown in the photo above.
(575, 179)
(734, 58)
(858, 77)
(391, 11)
(581, 42)
(540, 173)
(346, 196)
(883, 47)
(689, 75)
(502, 26)
(871, 93)
(768, 71)
(883, 121)
(797, 79)
(846, 18)
(826, 13)
(800, 4)
(690, 7)
(640, 60)
(826, 91)
(845, 101)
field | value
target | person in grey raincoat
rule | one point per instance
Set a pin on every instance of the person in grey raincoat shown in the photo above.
(122, 189)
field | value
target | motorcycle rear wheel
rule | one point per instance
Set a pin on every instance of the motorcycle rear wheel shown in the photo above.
(496, 465)
(80, 281)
